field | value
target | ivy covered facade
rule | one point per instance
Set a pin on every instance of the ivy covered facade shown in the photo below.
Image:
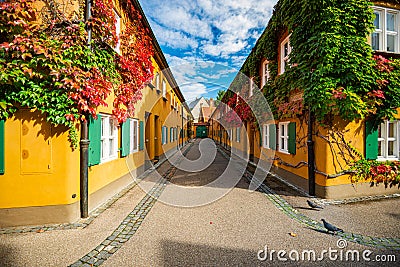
(61, 67)
(333, 65)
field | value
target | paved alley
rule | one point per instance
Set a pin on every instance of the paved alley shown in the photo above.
(223, 226)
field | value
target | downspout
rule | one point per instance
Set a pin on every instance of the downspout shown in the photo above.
(84, 142)
(311, 155)
(212, 128)
(182, 126)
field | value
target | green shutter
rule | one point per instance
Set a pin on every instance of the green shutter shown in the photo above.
(371, 140)
(141, 135)
(261, 135)
(171, 132)
(272, 136)
(166, 135)
(2, 169)
(126, 138)
(95, 140)
(292, 138)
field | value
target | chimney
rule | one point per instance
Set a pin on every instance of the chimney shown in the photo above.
(211, 102)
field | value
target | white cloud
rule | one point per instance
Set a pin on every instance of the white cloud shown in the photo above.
(222, 28)
(193, 90)
(195, 32)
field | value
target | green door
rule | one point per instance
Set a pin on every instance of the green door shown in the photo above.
(201, 132)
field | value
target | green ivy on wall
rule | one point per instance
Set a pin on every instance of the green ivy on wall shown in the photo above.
(332, 61)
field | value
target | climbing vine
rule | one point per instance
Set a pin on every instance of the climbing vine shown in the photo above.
(333, 68)
(331, 62)
(46, 64)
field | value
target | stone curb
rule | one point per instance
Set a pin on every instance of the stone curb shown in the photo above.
(286, 208)
(129, 225)
(83, 223)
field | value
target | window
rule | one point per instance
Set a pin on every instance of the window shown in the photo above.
(386, 34)
(238, 134)
(109, 138)
(266, 135)
(157, 81)
(117, 31)
(164, 88)
(388, 136)
(164, 135)
(134, 129)
(285, 52)
(230, 134)
(283, 137)
(265, 73)
(251, 89)
(173, 132)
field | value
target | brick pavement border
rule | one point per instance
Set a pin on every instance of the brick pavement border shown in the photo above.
(286, 208)
(82, 223)
(130, 224)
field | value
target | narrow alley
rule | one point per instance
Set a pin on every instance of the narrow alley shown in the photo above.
(238, 228)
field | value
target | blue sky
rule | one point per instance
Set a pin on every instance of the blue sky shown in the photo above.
(206, 41)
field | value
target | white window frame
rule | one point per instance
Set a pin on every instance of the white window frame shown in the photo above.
(157, 81)
(164, 135)
(285, 59)
(266, 75)
(134, 130)
(238, 134)
(117, 48)
(283, 137)
(384, 139)
(383, 32)
(251, 87)
(230, 134)
(164, 88)
(109, 138)
(265, 135)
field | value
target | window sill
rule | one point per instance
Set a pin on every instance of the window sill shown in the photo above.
(284, 152)
(105, 160)
(387, 159)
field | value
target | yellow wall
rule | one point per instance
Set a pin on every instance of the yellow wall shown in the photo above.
(41, 169)
(40, 166)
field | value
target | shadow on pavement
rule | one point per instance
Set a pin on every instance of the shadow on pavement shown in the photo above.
(6, 255)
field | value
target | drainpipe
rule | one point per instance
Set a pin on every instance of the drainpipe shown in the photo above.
(212, 129)
(84, 143)
(182, 131)
(311, 155)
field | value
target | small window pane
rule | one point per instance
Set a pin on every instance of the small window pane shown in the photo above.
(111, 127)
(391, 22)
(391, 148)
(103, 151)
(391, 43)
(375, 41)
(111, 147)
(391, 132)
(380, 149)
(377, 21)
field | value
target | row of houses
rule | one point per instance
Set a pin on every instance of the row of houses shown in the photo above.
(40, 172)
(312, 61)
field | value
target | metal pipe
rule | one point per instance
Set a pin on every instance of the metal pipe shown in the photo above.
(84, 143)
(311, 155)
(84, 173)
(182, 129)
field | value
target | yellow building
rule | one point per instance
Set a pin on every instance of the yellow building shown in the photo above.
(321, 156)
(40, 172)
